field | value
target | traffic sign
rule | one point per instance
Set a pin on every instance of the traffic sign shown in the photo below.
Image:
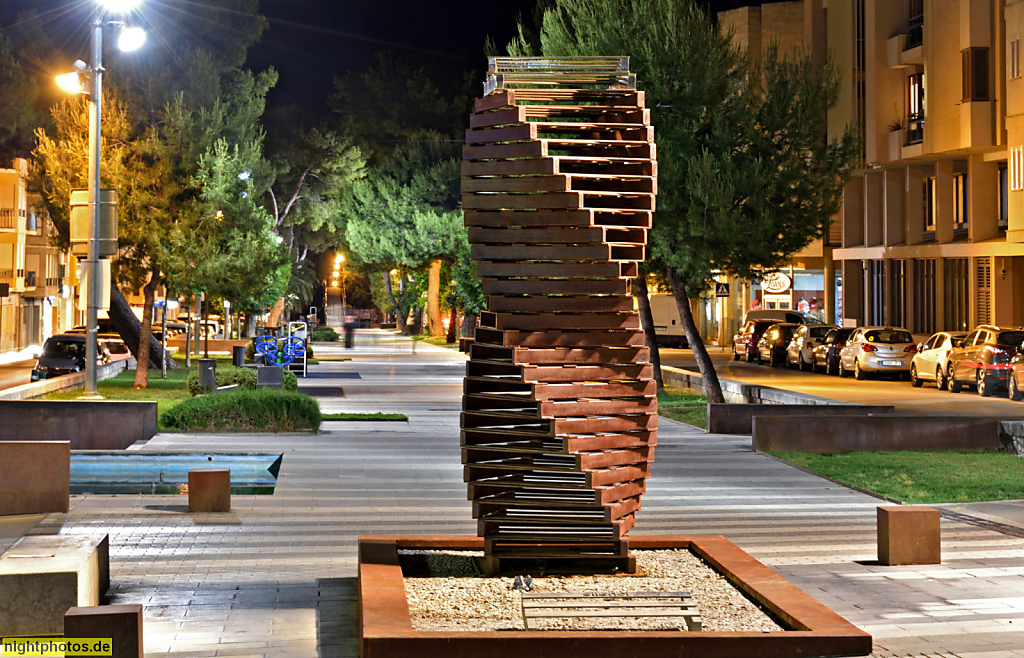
(721, 290)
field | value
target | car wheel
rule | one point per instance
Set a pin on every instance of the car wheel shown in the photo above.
(954, 385)
(760, 361)
(857, 372)
(775, 359)
(915, 381)
(805, 366)
(842, 369)
(940, 379)
(750, 357)
(1012, 391)
(735, 355)
(830, 366)
(981, 383)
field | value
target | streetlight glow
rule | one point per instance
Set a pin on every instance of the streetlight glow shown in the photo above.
(131, 39)
(120, 6)
(70, 83)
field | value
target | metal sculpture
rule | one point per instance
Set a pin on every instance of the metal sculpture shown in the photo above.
(559, 413)
(280, 353)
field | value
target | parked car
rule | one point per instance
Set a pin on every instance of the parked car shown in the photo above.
(772, 346)
(800, 353)
(983, 360)
(781, 315)
(744, 343)
(63, 354)
(931, 363)
(877, 350)
(113, 344)
(826, 352)
(1015, 377)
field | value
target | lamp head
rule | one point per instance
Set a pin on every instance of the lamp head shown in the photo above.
(131, 39)
(119, 6)
(70, 83)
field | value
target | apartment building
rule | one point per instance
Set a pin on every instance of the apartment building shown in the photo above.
(931, 233)
(37, 301)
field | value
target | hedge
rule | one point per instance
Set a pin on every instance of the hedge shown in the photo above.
(323, 334)
(245, 411)
(245, 378)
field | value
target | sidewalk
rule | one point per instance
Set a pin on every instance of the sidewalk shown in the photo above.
(276, 576)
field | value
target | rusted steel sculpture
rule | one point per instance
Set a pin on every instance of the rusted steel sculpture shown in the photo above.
(559, 410)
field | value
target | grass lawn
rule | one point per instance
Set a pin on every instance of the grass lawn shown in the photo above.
(945, 476)
(441, 341)
(166, 392)
(683, 405)
(377, 416)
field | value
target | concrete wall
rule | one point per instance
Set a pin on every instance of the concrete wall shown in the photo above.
(883, 433)
(738, 418)
(34, 477)
(741, 392)
(87, 425)
(65, 383)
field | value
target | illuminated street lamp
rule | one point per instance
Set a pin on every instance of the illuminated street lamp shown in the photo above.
(130, 39)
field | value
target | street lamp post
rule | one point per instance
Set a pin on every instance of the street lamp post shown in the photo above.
(131, 39)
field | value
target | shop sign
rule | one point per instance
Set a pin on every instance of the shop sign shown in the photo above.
(776, 283)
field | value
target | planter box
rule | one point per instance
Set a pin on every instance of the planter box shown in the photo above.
(386, 628)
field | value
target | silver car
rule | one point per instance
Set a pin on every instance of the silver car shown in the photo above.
(800, 352)
(877, 350)
(931, 363)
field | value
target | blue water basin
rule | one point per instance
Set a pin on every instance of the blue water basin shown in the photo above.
(98, 472)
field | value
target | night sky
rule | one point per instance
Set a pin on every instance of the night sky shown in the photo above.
(311, 41)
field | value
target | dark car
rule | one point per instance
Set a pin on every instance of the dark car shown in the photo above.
(744, 343)
(773, 344)
(63, 354)
(1015, 377)
(826, 353)
(984, 359)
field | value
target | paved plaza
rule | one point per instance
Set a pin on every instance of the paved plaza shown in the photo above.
(276, 575)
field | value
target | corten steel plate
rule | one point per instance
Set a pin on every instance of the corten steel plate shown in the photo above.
(387, 632)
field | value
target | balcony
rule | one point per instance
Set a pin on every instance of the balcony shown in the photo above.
(8, 218)
(915, 129)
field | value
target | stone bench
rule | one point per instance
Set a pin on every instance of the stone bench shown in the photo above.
(738, 418)
(830, 435)
(121, 623)
(209, 490)
(42, 576)
(909, 535)
(35, 477)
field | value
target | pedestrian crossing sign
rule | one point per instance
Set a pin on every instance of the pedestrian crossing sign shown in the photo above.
(721, 290)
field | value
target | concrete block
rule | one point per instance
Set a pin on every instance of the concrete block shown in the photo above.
(738, 418)
(209, 490)
(35, 477)
(42, 576)
(824, 435)
(88, 425)
(1011, 435)
(909, 535)
(121, 623)
(269, 377)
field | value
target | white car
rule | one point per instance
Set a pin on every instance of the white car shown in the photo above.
(877, 350)
(931, 363)
(800, 352)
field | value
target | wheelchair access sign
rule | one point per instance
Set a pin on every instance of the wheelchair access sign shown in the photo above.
(721, 290)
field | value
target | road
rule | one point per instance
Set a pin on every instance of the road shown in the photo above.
(16, 374)
(900, 394)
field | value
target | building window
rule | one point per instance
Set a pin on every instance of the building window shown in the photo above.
(1017, 168)
(915, 108)
(975, 74)
(915, 24)
(929, 203)
(1014, 53)
(1004, 197)
(924, 296)
(957, 302)
(960, 201)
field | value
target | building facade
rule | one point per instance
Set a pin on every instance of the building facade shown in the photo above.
(38, 300)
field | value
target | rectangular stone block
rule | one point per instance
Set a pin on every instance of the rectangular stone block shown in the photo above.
(87, 424)
(42, 576)
(209, 490)
(909, 535)
(121, 623)
(35, 477)
(269, 377)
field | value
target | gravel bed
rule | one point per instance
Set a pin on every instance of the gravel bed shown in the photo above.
(465, 601)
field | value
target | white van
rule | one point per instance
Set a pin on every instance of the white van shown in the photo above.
(668, 326)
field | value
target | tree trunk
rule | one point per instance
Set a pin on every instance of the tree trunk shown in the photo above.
(274, 318)
(434, 299)
(453, 326)
(149, 294)
(249, 327)
(416, 328)
(468, 326)
(402, 319)
(643, 302)
(709, 378)
(130, 330)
